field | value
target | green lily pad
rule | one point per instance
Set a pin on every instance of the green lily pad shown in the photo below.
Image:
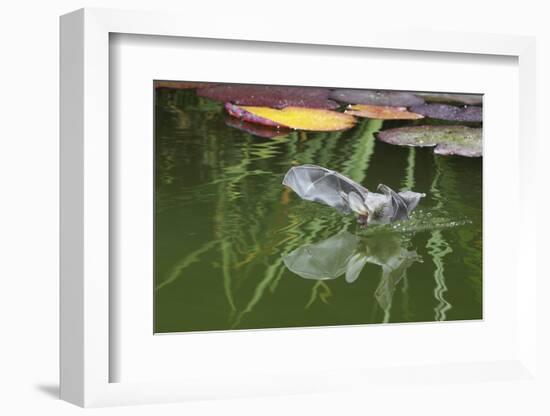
(375, 97)
(447, 140)
(449, 112)
(434, 97)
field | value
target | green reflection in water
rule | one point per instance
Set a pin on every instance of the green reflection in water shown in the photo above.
(224, 225)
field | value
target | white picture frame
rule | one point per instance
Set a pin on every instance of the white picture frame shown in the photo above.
(86, 356)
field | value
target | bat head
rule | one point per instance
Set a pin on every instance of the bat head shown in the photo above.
(358, 205)
(363, 220)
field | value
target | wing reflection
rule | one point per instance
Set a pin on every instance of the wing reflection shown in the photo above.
(347, 254)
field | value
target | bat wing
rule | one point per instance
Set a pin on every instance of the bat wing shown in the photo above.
(326, 259)
(400, 211)
(318, 184)
(411, 199)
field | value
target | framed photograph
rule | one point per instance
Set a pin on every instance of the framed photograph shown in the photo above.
(274, 214)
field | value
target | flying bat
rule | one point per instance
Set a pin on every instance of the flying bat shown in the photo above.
(319, 184)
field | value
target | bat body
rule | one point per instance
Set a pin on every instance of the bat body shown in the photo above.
(319, 184)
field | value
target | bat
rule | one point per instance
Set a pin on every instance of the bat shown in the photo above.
(319, 184)
(344, 254)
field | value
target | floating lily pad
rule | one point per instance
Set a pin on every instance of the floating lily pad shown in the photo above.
(459, 148)
(270, 96)
(182, 85)
(299, 118)
(433, 97)
(256, 129)
(450, 112)
(382, 112)
(448, 140)
(374, 97)
(243, 113)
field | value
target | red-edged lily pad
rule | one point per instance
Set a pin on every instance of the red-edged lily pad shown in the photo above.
(382, 112)
(270, 96)
(299, 118)
(450, 112)
(256, 129)
(374, 97)
(448, 140)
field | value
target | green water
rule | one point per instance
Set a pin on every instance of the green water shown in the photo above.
(225, 225)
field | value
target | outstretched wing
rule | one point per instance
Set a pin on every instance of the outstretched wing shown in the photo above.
(411, 199)
(318, 184)
(400, 211)
(326, 259)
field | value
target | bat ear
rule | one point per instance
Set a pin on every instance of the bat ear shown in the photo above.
(357, 204)
(385, 189)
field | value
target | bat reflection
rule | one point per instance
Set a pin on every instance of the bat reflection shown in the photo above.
(319, 184)
(346, 254)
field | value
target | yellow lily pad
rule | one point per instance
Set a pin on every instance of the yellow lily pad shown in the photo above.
(382, 112)
(299, 118)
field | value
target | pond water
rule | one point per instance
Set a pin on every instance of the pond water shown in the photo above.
(235, 249)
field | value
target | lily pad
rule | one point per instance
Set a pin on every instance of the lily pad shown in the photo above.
(182, 85)
(450, 112)
(255, 129)
(433, 97)
(382, 112)
(299, 118)
(448, 140)
(374, 97)
(270, 96)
